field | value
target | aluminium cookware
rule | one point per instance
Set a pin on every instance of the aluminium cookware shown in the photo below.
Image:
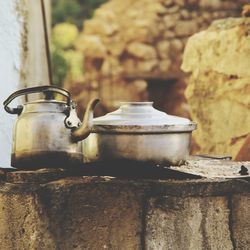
(47, 132)
(138, 132)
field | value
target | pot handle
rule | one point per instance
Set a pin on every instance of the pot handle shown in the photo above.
(47, 90)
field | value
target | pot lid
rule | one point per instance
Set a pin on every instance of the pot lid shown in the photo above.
(141, 117)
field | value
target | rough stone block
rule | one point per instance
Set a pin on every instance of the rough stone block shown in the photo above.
(186, 28)
(23, 224)
(84, 212)
(187, 223)
(70, 214)
(141, 50)
(94, 217)
(240, 224)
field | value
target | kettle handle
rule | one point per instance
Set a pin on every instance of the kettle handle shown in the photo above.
(44, 89)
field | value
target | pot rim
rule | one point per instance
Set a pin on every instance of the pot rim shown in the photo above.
(145, 129)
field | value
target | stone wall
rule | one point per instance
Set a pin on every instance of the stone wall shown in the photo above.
(49, 209)
(218, 92)
(133, 49)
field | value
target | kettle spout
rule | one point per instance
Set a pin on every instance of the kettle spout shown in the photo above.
(84, 131)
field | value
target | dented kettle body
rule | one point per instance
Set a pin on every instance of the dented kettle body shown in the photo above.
(41, 138)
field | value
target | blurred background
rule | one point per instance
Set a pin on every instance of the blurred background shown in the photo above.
(133, 50)
(128, 50)
(67, 23)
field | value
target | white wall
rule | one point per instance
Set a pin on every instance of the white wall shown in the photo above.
(22, 61)
(11, 30)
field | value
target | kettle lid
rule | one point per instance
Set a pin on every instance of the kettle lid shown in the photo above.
(41, 106)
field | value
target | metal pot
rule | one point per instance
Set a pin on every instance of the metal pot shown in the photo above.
(48, 132)
(138, 132)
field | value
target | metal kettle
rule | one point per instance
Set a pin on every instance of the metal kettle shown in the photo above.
(48, 133)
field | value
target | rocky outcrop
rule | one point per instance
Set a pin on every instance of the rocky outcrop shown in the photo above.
(219, 87)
